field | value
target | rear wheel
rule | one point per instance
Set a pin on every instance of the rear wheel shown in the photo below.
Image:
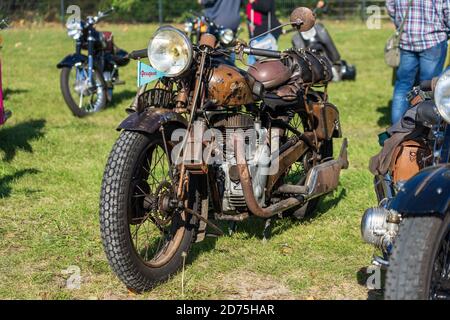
(420, 262)
(298, 171)
(144, 237)
(82, 98)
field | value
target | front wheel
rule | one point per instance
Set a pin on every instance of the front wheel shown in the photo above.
(81, 97)
(144, 240)
(420, 262)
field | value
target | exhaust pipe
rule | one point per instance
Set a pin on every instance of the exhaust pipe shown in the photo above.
(324, 177)
(321, 179)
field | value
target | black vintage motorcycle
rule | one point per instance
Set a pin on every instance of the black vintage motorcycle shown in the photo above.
(213, 143)
(87, 81)
(420, 260)
(319, 39)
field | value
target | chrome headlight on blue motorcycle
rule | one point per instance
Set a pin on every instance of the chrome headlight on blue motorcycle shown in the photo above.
(226, 36)
(442, 96)
(74, 29)
(170, 51)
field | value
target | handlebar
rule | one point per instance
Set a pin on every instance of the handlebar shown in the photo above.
(138, 54)
(102, 15)
(263, 53)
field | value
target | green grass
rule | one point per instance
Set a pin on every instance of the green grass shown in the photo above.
(51, 165)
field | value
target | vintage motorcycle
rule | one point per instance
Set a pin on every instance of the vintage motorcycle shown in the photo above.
(198, 25)
(319, 39)
(212, 143)
(412, 185)
(4, 114)
(87, 81)
(420, 260)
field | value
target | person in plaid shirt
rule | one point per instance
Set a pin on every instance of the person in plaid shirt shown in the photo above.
(423, 45)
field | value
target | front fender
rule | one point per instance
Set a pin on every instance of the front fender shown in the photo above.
(150, 120)
(426, 193)
(72, 60)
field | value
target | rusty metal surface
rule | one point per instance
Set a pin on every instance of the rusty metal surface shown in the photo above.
(326, 120)
(151, 120)
(324, 177)
(303, 19)
(292, 189)
(208, 39)
(229, 86)
(247, 187)
(285, 160)
(271, 73)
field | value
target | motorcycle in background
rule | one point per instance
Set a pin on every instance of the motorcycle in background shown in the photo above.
(211, 142)
(407, 148)
(319, 39)
(420, 260)
(87, 81)
(199, 24)
(411, 225)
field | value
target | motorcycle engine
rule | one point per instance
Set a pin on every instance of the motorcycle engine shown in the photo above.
(379, 227)
(257, 155)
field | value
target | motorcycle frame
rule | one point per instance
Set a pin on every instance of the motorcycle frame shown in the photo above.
(154, 120)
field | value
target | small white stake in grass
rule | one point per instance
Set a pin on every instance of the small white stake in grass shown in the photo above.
(182, 273)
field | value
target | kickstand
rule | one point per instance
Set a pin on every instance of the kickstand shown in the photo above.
(267, 230)
(232, 228)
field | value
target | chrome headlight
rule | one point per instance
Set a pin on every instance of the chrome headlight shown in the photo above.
(226, 36)
(170, 51)
(442, 96)
(74, 29)
(188, 27)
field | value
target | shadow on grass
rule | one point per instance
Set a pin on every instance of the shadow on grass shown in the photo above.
(362, 276)
(325, 205)
(385, 115)
(7, 92)
(253, 227)
(19, 137)
(6, 181)
(118, 98)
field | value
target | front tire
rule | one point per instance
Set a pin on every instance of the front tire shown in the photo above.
(421, 254)
(122, 212)
(78, 107)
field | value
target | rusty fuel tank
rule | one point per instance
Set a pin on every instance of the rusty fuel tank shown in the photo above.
(229, 86)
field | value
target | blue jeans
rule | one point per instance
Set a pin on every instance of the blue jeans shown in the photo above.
(426, 65)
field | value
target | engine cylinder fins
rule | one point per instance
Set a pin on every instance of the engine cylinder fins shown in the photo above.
(379, 228)
(232, 120)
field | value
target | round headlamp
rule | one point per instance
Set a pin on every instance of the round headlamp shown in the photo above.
(170, 51)
(442, 96)
(226, 36)
(74, 29)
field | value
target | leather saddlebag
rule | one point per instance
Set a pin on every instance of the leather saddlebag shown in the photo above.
(408, 159)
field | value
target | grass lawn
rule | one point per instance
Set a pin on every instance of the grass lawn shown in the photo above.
(51, 165)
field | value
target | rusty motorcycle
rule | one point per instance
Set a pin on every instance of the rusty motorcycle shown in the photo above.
(211, 142)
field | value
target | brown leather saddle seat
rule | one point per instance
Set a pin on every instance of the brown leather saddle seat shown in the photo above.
(271, 73)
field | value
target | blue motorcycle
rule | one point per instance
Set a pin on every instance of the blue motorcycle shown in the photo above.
(411, 226)
(87, 81)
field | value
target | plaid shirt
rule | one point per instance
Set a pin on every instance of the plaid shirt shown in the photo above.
(427, 25)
